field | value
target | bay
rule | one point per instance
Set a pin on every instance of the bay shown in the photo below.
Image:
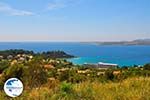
(89, 53)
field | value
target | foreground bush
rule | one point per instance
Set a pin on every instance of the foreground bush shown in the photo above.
(34, 75)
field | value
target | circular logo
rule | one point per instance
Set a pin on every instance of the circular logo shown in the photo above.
(13, 87)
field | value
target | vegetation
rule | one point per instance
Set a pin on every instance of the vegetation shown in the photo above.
(47, 78)
(13, 52)
(129, 89)
(56, 54)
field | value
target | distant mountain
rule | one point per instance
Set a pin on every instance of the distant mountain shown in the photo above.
(134, 42)
(142, 40)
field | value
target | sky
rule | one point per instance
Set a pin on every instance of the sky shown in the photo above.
(74, 20)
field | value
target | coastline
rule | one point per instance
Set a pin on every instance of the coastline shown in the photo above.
(87, 60)
(121, 55)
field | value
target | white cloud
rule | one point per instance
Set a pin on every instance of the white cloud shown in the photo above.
(7, 9)
(57, 4)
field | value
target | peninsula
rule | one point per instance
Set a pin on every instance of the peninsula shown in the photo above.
(133, 42)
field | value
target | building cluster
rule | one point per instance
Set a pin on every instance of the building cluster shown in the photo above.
(101, 65)
(17, 58)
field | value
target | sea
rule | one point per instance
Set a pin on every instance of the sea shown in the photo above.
(88, 52)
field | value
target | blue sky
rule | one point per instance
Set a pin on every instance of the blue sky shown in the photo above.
(74, 20)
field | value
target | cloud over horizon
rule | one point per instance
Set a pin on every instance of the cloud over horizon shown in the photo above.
(8, 10)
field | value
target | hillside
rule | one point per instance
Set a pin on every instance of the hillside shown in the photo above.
(134, 42)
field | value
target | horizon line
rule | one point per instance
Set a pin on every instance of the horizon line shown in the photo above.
(73, 41)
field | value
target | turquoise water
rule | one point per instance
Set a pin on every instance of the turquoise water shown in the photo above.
(95, 60)
(90, 53)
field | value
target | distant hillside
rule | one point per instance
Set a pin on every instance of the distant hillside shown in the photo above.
(56, 54)
(49, 54)
(134, 42)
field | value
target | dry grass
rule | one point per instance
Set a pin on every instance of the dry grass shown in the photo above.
(129, 89)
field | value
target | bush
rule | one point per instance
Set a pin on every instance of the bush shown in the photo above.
(66, 87)
(71, 76)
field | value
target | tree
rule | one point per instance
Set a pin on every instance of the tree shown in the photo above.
(109, 75)
(4, 65)
(146, 67)
(14, 71)
(35, 75)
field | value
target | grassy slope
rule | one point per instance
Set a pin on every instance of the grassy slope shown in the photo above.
(129, 89)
